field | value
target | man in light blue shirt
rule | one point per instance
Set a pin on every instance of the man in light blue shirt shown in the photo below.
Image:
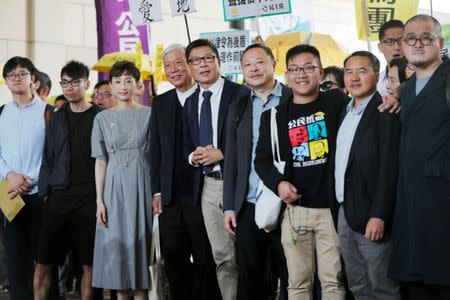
(241, 181)
(22, 132)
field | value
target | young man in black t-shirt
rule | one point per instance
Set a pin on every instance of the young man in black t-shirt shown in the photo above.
(68, 182)
(307, 126)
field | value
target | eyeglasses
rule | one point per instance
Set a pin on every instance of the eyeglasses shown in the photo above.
(295, 70)
(424, 40)
(207, 59)
(73, 83)
(100, 95)
(392, 42)
(13, 76)
(327, 85)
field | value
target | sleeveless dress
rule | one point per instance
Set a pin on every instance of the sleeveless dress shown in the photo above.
(121, 252)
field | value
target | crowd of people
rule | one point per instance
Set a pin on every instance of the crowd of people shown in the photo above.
(365, 185)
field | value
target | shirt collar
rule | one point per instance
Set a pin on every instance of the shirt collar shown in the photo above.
(361, 107)
(33, 101)
(276, 91)
(188, 92)
(215, 87)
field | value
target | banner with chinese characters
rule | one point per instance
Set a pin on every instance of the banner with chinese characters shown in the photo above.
(243, 9)
(231, 45)
(145, 12)
(182, 7)
(445, 52)
(379, 12)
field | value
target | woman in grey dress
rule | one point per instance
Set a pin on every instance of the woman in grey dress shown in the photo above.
(120, 144)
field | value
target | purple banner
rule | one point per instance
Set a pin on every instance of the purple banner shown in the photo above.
(116, 32)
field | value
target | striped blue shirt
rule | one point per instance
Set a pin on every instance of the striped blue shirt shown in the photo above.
(22, 132)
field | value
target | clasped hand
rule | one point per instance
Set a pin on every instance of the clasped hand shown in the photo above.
(206, 155)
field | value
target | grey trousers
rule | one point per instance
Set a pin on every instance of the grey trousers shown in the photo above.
(222, 243)
(366, 264)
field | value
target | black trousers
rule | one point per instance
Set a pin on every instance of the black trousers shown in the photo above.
(261, 259)
(421, 291)
(21, 241)
(183, 233)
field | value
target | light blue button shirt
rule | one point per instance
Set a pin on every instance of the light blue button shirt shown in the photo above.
(344, 142)
(259, 107)
(22, 132)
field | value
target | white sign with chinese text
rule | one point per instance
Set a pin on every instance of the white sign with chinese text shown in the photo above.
(231, 45)
(242, 9)
(182, 7)
(145, 12)
(446, 50)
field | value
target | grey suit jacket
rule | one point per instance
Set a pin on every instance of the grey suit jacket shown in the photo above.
(237, 162)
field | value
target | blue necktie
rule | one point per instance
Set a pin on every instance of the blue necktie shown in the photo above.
(206, 131)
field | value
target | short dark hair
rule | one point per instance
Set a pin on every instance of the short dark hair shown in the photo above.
(122, 67)
(201, 43)
(259, 46)
(75, 70)
(373, 60)
(60, 97)
(299, 49)
(18, 61)
(388, 25)
(338, 74)
(45, 81)
(427, 18)
(401, 64)
(100, 83)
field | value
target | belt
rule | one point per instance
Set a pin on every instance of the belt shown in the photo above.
(217, 175)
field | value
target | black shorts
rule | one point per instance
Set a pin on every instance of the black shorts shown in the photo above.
(61, 233)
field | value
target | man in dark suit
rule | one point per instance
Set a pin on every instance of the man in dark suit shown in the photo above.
(182, 229)
(241, 181)
(365, 177)
(204, 116)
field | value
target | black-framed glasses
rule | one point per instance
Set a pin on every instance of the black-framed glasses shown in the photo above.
(295, 70)
(392, 42)
(20, 75)
(74, 83)
(207, 59)
(425, 40)
(327, 85)
(100, 95)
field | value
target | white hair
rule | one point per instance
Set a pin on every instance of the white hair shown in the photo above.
(174, 47)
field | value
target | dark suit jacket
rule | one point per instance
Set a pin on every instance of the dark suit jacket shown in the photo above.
(162, 142)
(371, 173)
(239, 152)
(231, 92)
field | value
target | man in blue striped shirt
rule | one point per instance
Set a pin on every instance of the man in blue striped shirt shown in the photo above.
(22, 131)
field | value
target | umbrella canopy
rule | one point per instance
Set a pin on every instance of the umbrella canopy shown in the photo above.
(142, 62)
(2, 80)
(331, 53)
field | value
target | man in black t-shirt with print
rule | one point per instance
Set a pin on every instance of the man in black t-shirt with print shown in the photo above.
(307, 127)
(67, 180)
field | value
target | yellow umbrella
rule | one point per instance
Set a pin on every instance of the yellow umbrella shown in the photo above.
(2, 80)
(331, 53)
(142, 61)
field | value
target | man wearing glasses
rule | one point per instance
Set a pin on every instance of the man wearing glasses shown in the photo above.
(390, 36)
(307, 229)
(102, 95)
(67, 181)
(421, 222)
(204, 118)
(22, 131)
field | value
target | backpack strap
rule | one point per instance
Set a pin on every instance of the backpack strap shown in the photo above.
(48, 114)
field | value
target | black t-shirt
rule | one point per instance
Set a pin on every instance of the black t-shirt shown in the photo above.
(312, 134)
(80, 194)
